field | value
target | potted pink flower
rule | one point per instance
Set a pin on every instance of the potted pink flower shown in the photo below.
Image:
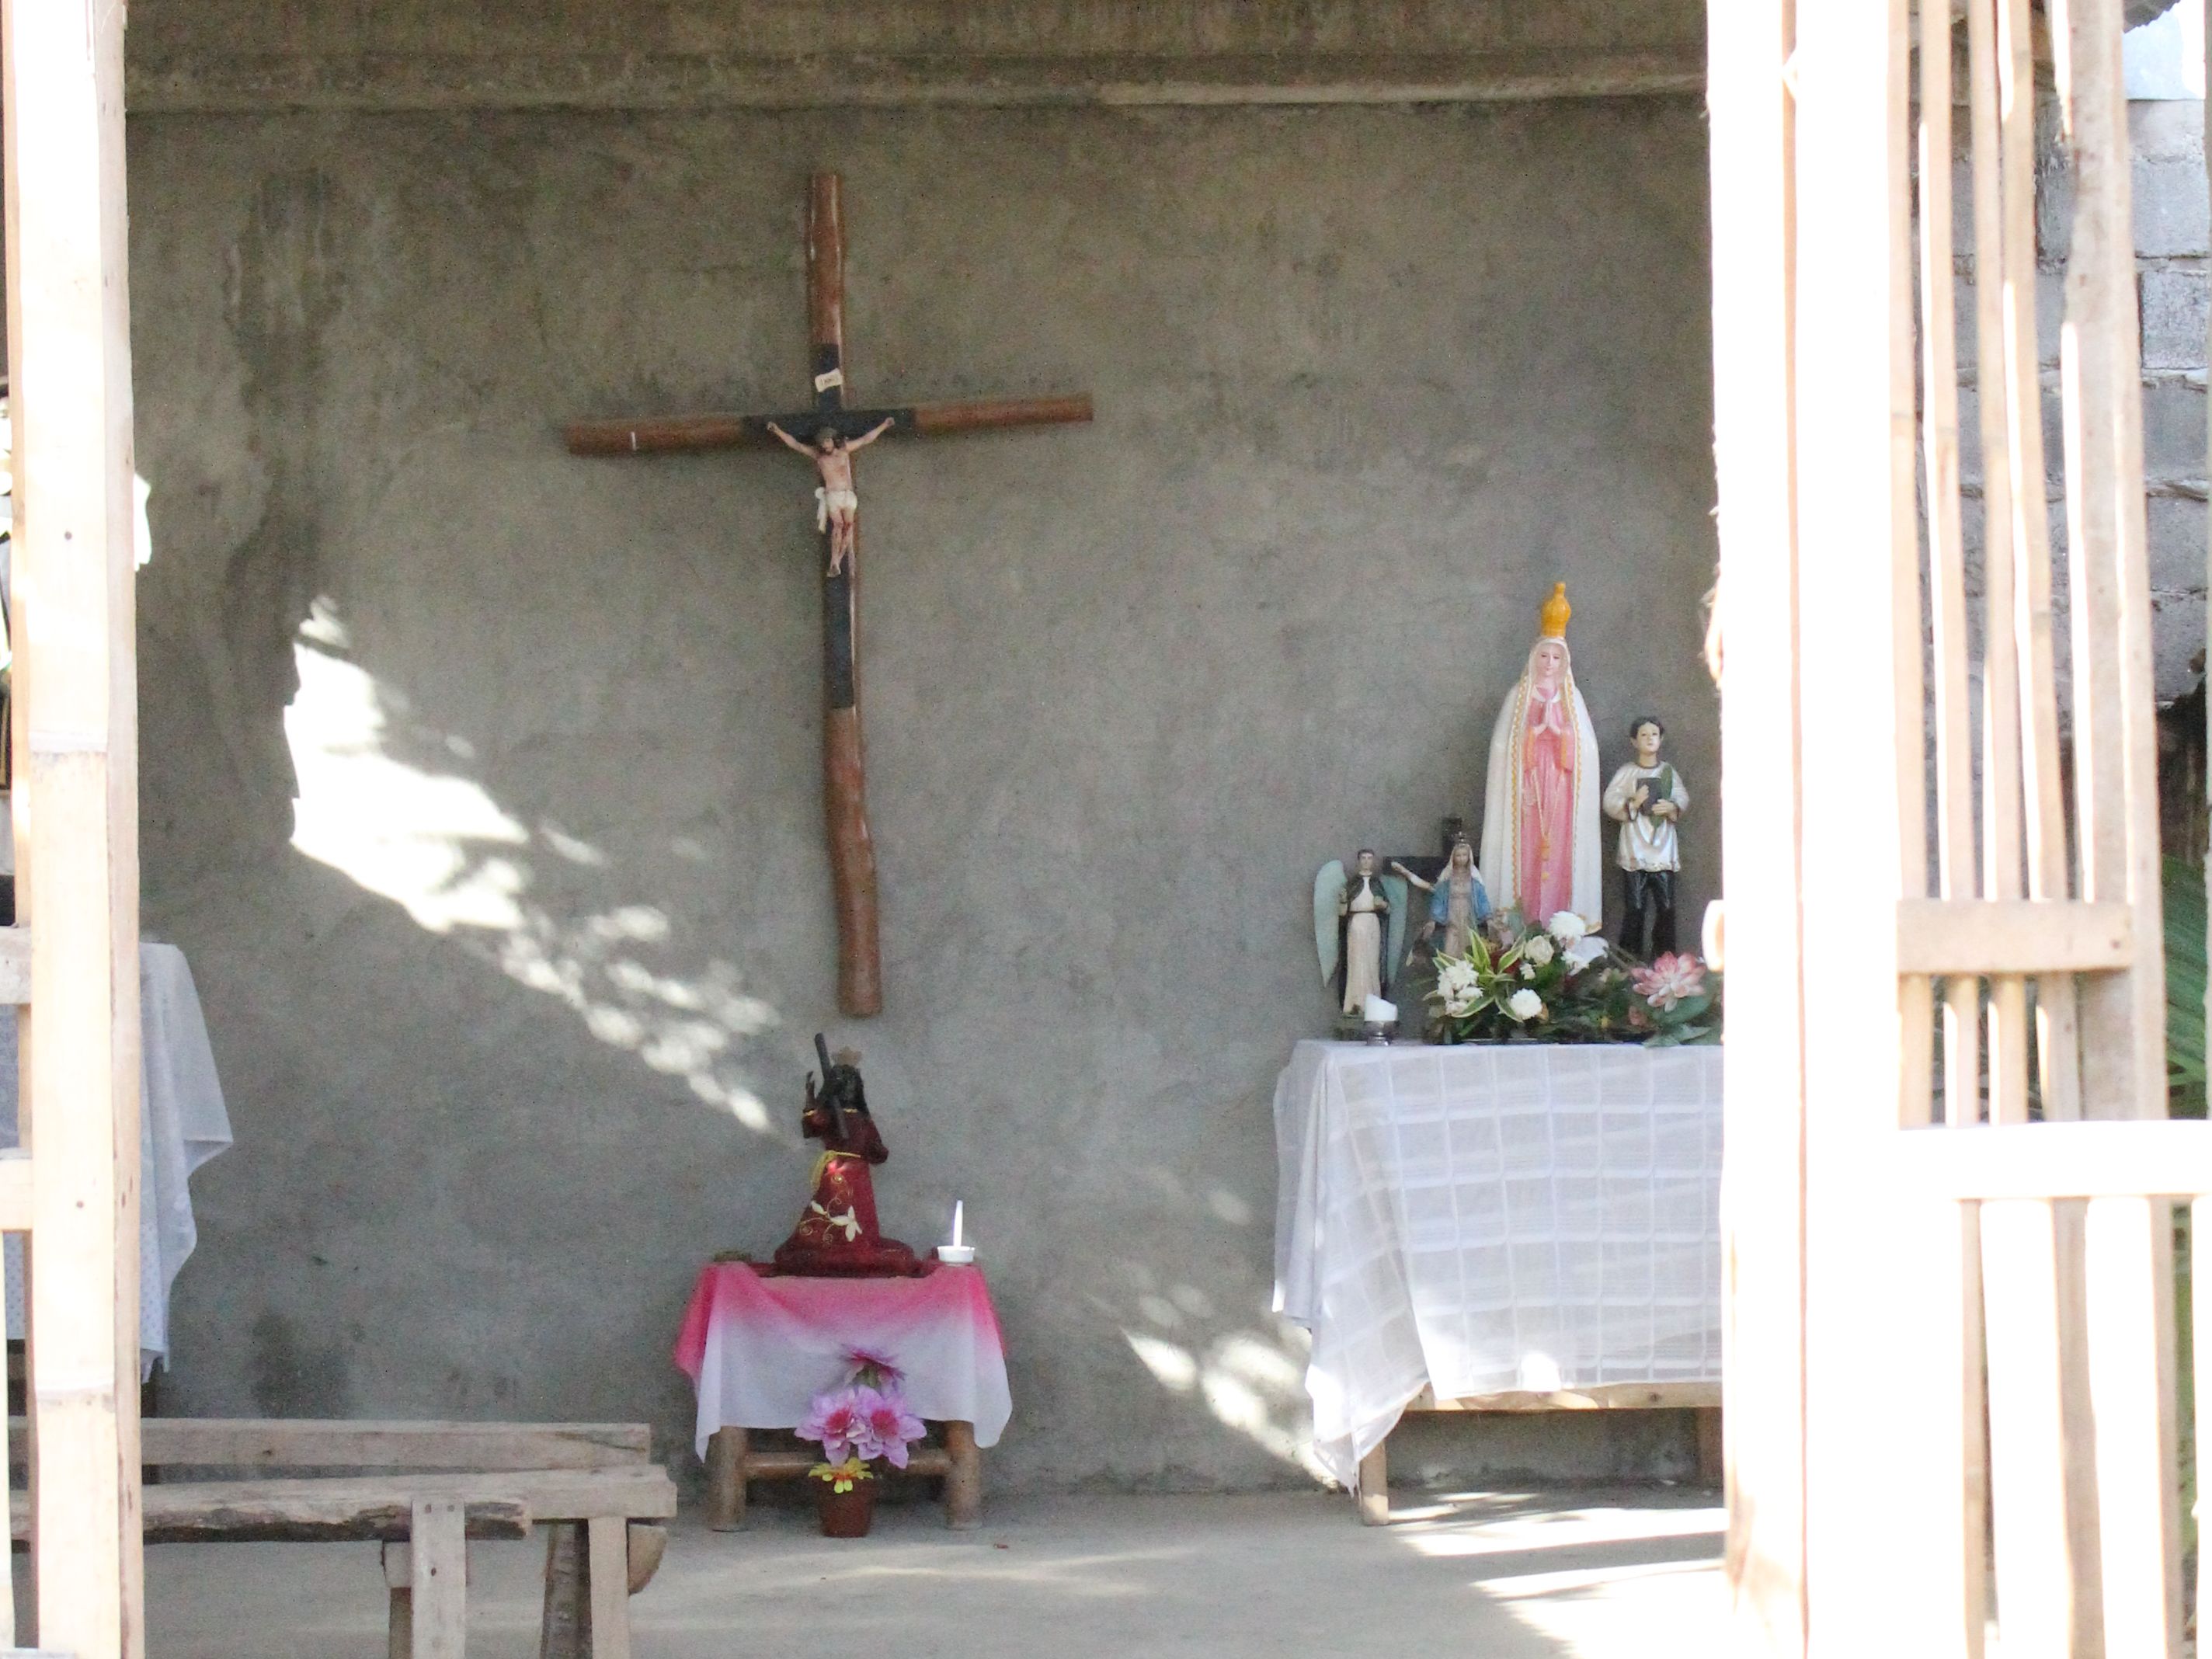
(864, 1419)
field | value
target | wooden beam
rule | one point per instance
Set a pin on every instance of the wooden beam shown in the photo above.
(2085, 1159)
(1754, 164)
(1609, 1396)
(697, 433)
(67, 283)
(310, 1442)
(2013, 936)
(306, 1511)
(438, 1570)
(606, 1539)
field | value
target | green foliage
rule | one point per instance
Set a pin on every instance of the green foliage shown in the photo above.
(2184, 898)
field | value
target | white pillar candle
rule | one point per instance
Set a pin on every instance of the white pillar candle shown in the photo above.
(959, 1217)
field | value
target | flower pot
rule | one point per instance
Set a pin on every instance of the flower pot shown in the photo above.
(846, 1514)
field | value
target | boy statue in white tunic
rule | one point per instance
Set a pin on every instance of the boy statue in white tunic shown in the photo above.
(1647, 799)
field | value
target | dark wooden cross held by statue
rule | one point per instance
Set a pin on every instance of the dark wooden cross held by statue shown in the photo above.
(832, 432)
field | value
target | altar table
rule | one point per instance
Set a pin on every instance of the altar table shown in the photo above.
(760, 1347)
(1527, 1220)
(182, 1123)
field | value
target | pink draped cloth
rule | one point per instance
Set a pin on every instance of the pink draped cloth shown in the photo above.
(760, 1347)
(1546, 876)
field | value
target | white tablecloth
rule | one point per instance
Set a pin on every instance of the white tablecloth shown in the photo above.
(182, 1123)
(1485, 1219)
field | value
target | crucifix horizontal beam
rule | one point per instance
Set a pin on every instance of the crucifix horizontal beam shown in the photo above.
(693, 432)
(833, 433)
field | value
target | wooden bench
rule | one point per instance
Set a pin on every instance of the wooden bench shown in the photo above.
(425, 1488)
(732, 1461)
(1704, 1398)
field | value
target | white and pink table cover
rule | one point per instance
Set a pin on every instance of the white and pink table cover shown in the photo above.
(760, 1347)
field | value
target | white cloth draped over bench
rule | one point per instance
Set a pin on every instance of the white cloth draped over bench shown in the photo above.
(1488, 1219)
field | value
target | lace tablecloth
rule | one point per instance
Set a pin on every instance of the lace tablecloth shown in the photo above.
(1486, 1219)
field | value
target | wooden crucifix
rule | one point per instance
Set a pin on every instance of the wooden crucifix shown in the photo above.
(833, 432)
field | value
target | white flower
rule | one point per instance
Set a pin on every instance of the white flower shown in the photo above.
(1458, 981)
(1459, 1008)
(1566, 928)
(1524, 1005)
(1583, 951)
(1539, 951)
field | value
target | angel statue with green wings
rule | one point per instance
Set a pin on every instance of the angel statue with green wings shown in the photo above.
(1359, 929)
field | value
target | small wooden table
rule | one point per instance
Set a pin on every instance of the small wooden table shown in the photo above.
(1373, 1491)
(760, 1347)
(733, 1461)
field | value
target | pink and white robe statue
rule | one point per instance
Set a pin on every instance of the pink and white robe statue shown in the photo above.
(1541, 840)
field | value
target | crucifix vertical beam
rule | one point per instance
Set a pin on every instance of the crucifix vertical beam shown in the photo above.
(844, 770)
(852, 848)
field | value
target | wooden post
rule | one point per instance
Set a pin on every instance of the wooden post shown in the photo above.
(400, 1601)
(1374, 1478)
(963, 1480)
(77, 806)
(1749, 42)
(607, 1541)
(726, 1478)
(438, 1568)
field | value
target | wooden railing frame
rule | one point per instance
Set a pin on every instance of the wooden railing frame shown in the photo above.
(1886, 1192)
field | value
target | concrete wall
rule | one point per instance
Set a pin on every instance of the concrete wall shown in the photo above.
(254, 55)
(512, 1015)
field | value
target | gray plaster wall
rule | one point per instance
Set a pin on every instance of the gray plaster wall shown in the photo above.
(514, 1035)
(255, 55)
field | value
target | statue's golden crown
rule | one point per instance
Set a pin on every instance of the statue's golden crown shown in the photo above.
(1555, 614)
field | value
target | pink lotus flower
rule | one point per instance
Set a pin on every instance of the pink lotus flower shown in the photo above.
(890, 1426)
(838, 1418)
(871, 1369)
(1669, 980)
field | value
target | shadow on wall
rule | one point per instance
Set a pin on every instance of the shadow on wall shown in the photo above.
(443, 849)
(463, 867)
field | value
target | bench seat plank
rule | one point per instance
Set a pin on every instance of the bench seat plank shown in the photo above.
(326, 1511)
(341, 1442)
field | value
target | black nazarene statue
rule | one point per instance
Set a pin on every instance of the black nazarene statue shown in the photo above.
(838, 1234)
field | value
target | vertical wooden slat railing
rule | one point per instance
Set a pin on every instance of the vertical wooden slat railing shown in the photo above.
(1958, 1204)
(72, 1187)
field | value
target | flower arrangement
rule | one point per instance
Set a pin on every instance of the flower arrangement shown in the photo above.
(1557, 981)
(862, 1420)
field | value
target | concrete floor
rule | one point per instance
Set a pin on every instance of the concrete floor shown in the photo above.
(1603, 1574)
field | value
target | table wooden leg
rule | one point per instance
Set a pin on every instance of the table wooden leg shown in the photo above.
(1374, 1489)
(565, 1630)
(438, 1546)
(399, 1624)
(609, 1573)
(963, 1482)
(726, 1478)
(1712, 1471)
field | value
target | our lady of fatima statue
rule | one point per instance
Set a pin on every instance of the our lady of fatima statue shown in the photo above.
(1539, 811)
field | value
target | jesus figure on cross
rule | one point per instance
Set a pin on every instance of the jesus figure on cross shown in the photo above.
(836, 505)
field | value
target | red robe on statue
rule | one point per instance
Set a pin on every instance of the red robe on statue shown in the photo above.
(838, 1234)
